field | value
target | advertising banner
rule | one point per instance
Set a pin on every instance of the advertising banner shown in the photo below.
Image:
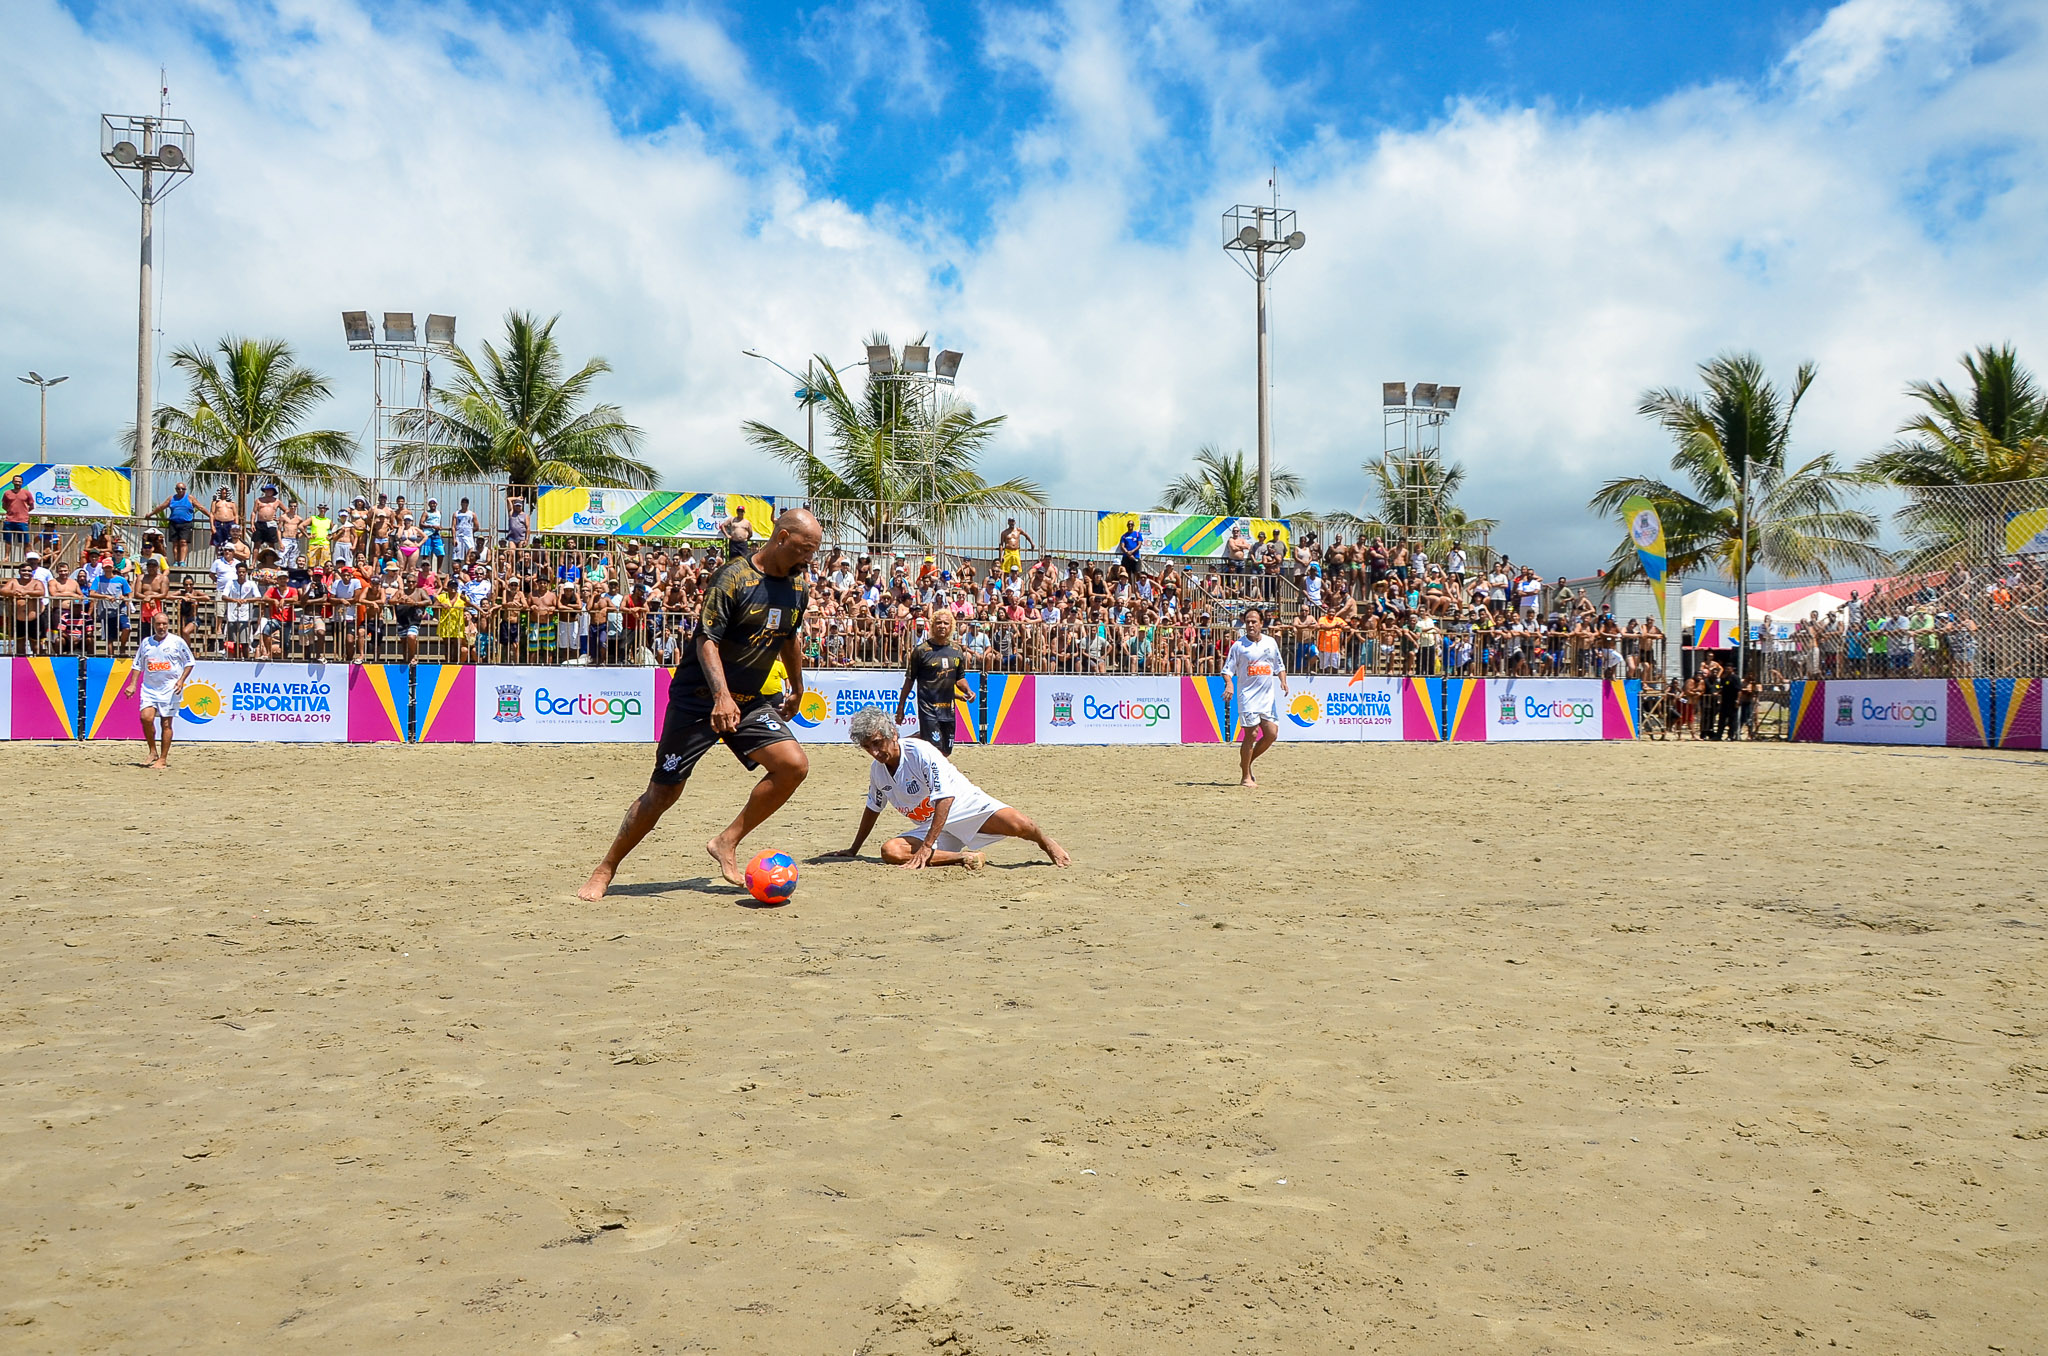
(1329, 709)
(1505, 710)
(2019, 713)
(444, 704)
(831, 698)
(646, 513)
(1971, 723)
(1802, 711)
(232, 701)
(1884, 711)
(2026, 532)
(1098, 709)
(526, 705)
(7, 698)
(1001, 711)
(1542, 708)
(1175, 534)
(69, 491)
(379, 703)
(42, 701)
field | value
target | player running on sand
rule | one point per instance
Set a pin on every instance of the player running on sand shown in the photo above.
(1257, 673)
(954, 818)
(752, 610)
(163, 662)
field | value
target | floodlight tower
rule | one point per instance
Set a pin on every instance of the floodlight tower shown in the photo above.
(392, 361)
(157, 151)
(918, 376)
(1260, 239)
(1413, 419)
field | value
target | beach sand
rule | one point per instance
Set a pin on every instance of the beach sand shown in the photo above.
(1416, 1049)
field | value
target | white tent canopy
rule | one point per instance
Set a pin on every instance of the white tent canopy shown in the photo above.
(1705, 605)
(1820, 600)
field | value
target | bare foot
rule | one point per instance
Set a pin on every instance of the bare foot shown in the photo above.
(1057, 853)
(728, 861)
(600, 881)
(1250, 781)
(974, 861)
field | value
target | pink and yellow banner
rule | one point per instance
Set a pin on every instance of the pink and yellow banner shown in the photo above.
(42, 698)
(379, 698)
(444, 704)
(2019, 713)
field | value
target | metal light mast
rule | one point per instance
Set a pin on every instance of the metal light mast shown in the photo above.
(157, 152)
(1260, 239)
(43, 385)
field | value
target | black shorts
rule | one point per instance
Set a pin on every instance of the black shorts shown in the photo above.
(181, 533)
(937, 729)
(266, 534)
(1133, 566)
(686, 734)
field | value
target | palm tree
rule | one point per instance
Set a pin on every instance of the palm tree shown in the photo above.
(1415, 499)
(1224, 487)
(247, 398)
(1994, 434)
(1731, 443)
(515, 415)
(897, 466)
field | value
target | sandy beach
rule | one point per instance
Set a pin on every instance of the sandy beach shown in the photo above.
(1416, 1049)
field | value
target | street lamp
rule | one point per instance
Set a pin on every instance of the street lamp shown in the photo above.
(158, 152)
(1261, 238)
(808, 395)
(43, 385)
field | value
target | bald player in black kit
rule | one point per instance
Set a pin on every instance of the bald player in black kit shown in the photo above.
(753, 609)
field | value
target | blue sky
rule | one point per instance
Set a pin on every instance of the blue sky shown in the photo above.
(898, 102)
(1555, 206)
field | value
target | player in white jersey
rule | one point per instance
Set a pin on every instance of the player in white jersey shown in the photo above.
(952, 819)
(1256, 672)
(162, 664)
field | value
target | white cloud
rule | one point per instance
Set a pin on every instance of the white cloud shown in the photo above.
(1553, 265)
(1862, 39)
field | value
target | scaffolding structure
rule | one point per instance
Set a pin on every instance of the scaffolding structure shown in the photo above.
(1412, 437)
(401, 377)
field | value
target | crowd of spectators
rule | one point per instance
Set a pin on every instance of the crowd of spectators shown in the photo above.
(1956, 623)
(382, 582)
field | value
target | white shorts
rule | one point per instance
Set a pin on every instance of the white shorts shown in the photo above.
(1249, 716)
(961, 835)
(165, 706)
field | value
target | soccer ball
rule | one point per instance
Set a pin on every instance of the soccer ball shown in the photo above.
(771, 877)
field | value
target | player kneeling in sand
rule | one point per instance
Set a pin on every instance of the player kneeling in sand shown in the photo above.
(954, 818)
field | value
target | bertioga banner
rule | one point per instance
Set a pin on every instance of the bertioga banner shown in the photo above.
(1189, 535)
(590, 512)
(63, 490)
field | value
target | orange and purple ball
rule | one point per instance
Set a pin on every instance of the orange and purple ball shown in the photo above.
(771, 877)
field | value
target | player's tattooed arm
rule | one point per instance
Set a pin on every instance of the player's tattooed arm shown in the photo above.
(725, 712)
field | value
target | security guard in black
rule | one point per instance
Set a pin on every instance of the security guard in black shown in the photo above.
(749, 616)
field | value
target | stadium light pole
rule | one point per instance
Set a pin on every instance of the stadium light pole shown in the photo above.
(806, 394)
(157, 151)
(43, 385)
(1261, 238)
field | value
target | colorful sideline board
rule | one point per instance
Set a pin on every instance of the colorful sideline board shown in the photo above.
(237, 702)
(1515, 710)
(227, 701)
(1953, 712)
